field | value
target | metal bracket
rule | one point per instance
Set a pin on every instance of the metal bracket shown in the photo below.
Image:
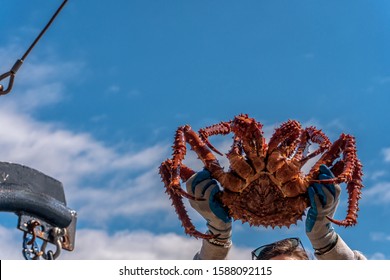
(33, 195)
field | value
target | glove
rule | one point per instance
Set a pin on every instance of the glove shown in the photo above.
(201, 185)
(324, 199)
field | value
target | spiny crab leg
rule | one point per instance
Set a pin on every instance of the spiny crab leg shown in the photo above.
(318, 137)
(165, 173)
(248, 132)
(177, 200)
(221, 128)
(286, 132)
(179, 151)
(171, 172)
(354, 187)
(350, 173)
(189, 196)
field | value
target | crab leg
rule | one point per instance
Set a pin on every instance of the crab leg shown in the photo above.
(349, 170)
(221, 128)
(316, 136)
(227, 179)
(251, 142)
(171, 172)
(282, 145)
(287, 135)
(249, 132)
(345, 145)
(176, 197)
(354, 190)
(238, 164)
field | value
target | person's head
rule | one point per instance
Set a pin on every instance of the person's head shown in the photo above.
(286, 249)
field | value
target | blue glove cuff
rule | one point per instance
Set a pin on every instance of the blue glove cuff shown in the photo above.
(317, 189)
(217, 207)
(199, 177)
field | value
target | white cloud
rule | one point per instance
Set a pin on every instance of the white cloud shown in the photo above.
(10, 244)
(138, 196)
(377, 256)
(80, 162)
(97, 244)
(379, 236)
(139, 245)
(386, 153)
(123, 245)
(61, 152)
(376, 175)
(378, 193)
(36, 84)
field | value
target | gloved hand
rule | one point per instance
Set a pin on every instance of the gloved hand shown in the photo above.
(201, 185)
(324, 199)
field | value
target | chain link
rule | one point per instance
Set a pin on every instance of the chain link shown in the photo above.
(31, 250)
(57, 235)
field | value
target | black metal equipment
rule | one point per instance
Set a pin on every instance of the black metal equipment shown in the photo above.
(39, 201)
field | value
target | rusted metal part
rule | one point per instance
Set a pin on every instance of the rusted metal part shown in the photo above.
(31, 228)
(31, 249)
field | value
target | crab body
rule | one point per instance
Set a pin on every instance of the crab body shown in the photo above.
(265, 185)
(263, 204)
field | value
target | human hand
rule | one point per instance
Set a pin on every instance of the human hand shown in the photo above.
(201, 185)
(324, 199)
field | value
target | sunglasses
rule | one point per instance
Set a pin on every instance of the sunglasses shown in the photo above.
(262, 252)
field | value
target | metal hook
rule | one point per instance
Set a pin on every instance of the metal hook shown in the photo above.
(57, 235)
(11, 74)
(19, 62)
(10, 82)
(49, 255)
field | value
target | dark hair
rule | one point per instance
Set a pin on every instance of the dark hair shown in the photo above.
(291, 247)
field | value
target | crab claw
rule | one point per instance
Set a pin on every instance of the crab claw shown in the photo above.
(346, 223)
(198, 234)
(189, 196)
(207, 142)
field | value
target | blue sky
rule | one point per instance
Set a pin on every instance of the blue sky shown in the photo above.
(97, 103)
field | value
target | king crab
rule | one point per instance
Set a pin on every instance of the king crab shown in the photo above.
(264, 185)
